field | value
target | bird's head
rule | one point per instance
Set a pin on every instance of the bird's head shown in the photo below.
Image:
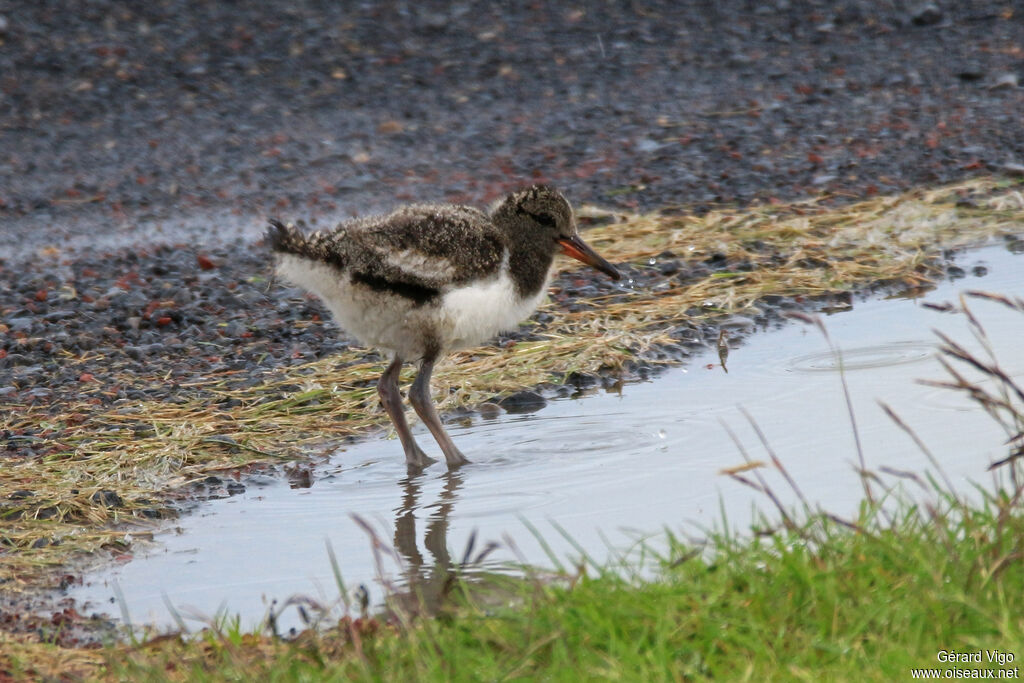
(548, 215)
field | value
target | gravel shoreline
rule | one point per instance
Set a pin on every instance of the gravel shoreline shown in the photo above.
(174, 121)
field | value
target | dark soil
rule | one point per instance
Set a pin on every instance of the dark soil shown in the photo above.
(134, 123)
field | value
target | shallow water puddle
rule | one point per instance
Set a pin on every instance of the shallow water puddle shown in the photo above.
(608, 469)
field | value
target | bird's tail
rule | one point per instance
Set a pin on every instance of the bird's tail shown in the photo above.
(285, 239)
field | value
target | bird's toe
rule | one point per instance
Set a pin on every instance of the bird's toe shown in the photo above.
(455, 460)
(418, 460)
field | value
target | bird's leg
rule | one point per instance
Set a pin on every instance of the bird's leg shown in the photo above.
(391, 399)
(419, 397)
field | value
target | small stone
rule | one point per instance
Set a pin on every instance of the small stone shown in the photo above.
(13, 359)
(135, 352)
(489, 410)
(926, 14)
(647, 145)
(85, 342)
(739, 59)
(523, 402)
(21, 324)
(670, 267)
(970, 72)
(581, 380)
(1005, 81)
(27, 371)
(107, 498)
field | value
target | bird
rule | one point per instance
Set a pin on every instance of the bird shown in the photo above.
(428, 279)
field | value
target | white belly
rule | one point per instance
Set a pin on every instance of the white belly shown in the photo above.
(475, 314)
(464, 317)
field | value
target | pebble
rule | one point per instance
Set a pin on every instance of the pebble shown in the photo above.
(926, 14)
(522, 402)
(20, 324)
(1013, 168)
(1005, 81)
(670, 267)
(107, 498)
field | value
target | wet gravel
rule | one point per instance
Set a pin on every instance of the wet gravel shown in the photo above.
(127, 123)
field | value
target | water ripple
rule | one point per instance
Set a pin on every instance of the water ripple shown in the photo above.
(865, 357)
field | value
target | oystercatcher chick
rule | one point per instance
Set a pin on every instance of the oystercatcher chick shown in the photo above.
(431, 278)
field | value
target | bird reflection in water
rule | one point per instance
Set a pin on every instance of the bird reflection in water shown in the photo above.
(425, 585)
(428, 583)
(433, 580)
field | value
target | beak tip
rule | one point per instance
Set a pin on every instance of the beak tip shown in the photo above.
(610, 270)
(578, 249)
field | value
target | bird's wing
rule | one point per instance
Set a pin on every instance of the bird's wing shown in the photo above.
(425, 247)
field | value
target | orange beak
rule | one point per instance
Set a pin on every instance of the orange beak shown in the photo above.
(579, 250)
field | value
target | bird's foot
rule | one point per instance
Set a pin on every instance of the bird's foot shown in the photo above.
(455, 459)
(416, 459)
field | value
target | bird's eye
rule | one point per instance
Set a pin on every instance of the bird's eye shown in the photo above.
(545, 219)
